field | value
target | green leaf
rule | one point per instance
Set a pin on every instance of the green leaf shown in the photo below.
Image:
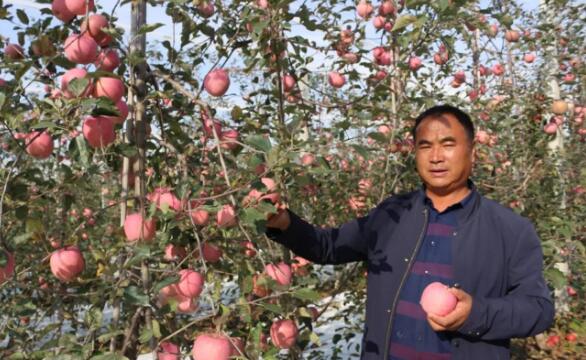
(556, 278)
(134, 295)
(403, 22)
(306, 294)
(93, 318)
(272, 307)
(44, 125)
(78, 86)
(22, 238)
(378, 137)
(109, 356)
(361, 150)
(22, 16)
(156, 329)
(2, 99)
(34, 226)
(259, 142)
(128, 150)
(106, 337)
(141, 252)
(145, 336)
(83, 151)
(149, 28)
(252, 215)
(314, 338)
(167, 281)
(224, 315)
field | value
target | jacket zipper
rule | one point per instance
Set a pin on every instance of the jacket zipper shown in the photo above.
(390, 323)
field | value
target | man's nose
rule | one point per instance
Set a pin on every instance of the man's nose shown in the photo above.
(437, 155)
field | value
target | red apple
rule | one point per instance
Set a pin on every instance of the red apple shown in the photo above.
(168, 351)
(39, 144)
(288, 83)
(107, 60)
(386, 8)
(378, 22)
(284, 333)
(364, 9)
(186, 305)
(122, 108)
(80, 49)
(206, 9)
(211, 346)
(211, 253)
(437, 299)
(552, 341)
(229, 138)
(498, 69)
(512, 35)
(163, 197)
(216, 82)
(8, 269)
(190, 283)
(110, 87)
(94, 25)
(226, 217)
(67, 263)
(79, 7)
(280, 272)
(174, 252)
(13, 52)
(571, 337)
(99, 131)
(414, 63)
(336, 79)
(60, 11)
(134, 225)
(75, 73)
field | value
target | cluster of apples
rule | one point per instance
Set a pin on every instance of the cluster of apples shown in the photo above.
(217, 346)
(387, 12)
(137, 227)
(90, 46)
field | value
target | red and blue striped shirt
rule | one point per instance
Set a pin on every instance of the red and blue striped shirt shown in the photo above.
(412, 337)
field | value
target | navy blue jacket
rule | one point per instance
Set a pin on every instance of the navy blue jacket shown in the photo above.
(497, 259)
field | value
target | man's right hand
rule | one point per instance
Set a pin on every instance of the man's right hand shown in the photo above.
(280, 220)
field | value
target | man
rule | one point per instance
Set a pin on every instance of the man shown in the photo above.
(446, 231)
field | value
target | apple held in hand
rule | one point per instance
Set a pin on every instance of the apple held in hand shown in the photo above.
(437, 299)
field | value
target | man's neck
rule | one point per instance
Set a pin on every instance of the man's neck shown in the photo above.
(443, 201)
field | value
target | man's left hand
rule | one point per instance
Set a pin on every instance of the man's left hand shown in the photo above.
(455, 319)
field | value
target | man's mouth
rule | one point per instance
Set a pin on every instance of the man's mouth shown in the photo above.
(438, 172)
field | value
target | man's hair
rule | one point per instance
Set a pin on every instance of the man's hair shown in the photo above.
(440, 110)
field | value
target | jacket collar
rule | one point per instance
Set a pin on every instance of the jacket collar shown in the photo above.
(470, 203)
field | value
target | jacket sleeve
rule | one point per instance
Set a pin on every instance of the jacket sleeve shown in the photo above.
(344, 244)
(527, 308)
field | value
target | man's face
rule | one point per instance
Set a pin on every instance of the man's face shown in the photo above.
(444, 154)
